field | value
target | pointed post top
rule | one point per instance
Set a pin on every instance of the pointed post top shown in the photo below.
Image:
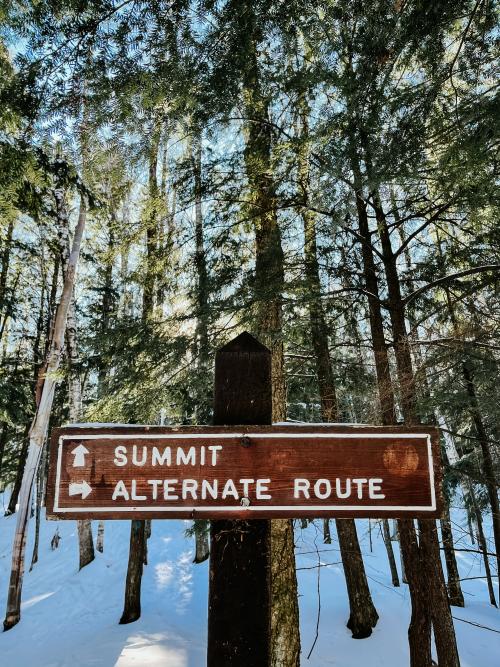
(243, 391)
(244, 342)
(240, 552)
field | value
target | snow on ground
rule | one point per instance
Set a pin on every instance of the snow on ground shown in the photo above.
(70, 618)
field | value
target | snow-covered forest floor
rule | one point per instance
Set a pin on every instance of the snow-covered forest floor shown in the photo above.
(70, 618)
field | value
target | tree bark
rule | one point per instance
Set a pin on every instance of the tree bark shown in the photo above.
(455, 595)
(363, 617)
(475, 412)
(202, 352)
(201, 533)
(85, 542)
(132, 605)
(99, 544)
(419, 631)
(285, 637)
(38, 378)
(442, 622)
(40, 483)
(475, 512)
(414, 570)
(204, 398)
(4, 272)
(107, 308)
(454, 589)
(380, 350)
(14, 496)
(488, 468)
(483, 547)
(39, 427)
(152, 229)
(3, 442)
(386, 533)
(327, 536)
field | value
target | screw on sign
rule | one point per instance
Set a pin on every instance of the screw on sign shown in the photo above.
(239, 473)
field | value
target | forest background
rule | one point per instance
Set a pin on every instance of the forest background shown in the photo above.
(321, 174)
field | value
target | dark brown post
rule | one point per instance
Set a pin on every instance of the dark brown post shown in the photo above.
(239, 617)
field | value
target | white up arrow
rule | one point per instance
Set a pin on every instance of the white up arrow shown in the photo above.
(82, 488)
(79, 452)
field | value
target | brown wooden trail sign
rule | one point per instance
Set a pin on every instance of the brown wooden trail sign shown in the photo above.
(244, 472)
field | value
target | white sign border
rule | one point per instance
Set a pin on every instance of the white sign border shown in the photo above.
(239, 508)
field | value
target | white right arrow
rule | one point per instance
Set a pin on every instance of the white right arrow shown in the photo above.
(79, 452)
(80, 488)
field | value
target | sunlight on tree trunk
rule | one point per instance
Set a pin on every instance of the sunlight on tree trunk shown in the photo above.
(38, 430)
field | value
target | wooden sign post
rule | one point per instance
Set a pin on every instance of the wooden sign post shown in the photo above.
(240, 472)
(239, 598)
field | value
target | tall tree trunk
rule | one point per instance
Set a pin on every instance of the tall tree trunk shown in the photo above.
(85, 542)
(38, 430)
(138, 529)
(154, 264)
(4, 272)
(99, 544)
(285, 636)
(38, 376)
(438, 603)
(106, 310)
(327, 536)
(386, 534)
(152, 228)
(419, 631)
(202, 543)
(132, 605)
(475, 513)
(107, 305)
(3, 441)
(380, 351)
(4, 434)
(363, 615)
(40, 483)
(268, 291)
(475, 411)
(415, 567)
(483, 547)
(14, 496)
(84, 526)
(487, 460)
(454, 589)
(202, 351)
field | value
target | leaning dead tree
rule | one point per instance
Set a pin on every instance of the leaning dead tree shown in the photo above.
(39, 426)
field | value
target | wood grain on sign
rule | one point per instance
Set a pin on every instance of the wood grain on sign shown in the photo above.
(244, 472)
